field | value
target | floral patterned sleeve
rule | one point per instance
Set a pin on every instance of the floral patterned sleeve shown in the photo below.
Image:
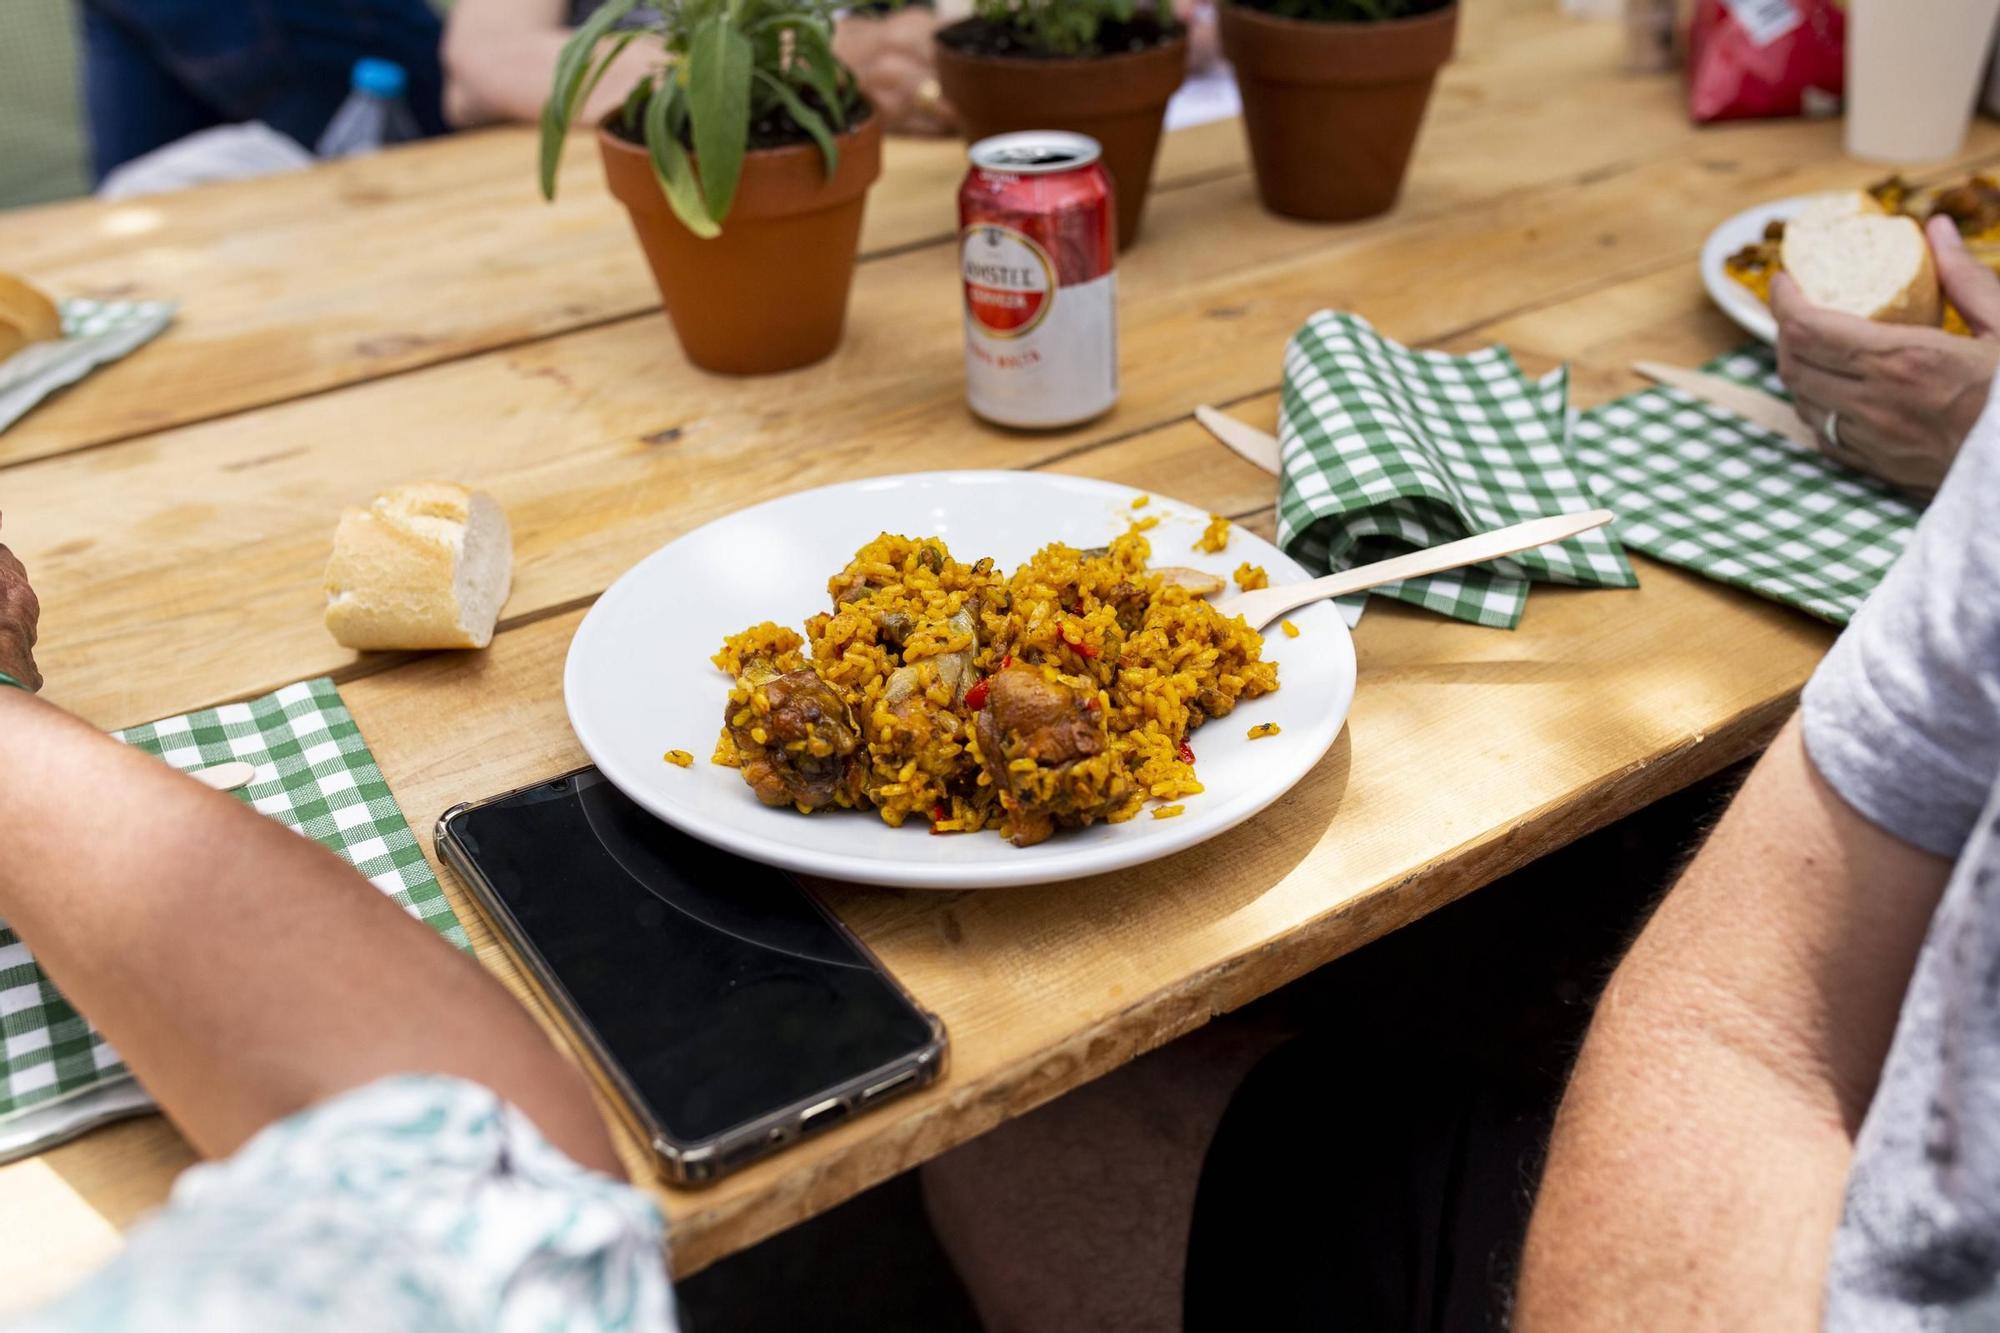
(414, 1203)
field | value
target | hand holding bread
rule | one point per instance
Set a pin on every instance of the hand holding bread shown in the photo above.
(1902, 396)
(426, 565)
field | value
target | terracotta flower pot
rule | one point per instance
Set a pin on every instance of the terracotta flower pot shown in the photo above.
(1120, 101)
(1332, 109)
(769, 293)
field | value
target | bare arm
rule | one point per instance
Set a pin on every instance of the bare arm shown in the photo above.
(500, 58)
(242, 971)
(1701, 1154)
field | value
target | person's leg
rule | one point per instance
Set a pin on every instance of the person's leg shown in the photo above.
(1074, 1218)
(132, 102)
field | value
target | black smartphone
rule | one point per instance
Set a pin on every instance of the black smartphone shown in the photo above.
(731, 1012)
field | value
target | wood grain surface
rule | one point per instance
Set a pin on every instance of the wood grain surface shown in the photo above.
(423, 314)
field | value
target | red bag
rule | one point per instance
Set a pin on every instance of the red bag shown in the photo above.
(1757, 58)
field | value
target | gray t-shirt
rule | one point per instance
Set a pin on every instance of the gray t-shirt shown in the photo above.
(1903, 720)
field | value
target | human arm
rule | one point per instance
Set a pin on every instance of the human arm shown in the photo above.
(500, 61)
(242, 971)
(1700, 1158)
(1701, 1154)
(1906, 396)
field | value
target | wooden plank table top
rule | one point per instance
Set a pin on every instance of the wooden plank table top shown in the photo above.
(422, 313)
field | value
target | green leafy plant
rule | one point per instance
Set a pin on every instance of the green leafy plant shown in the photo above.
(726, 65)
(1339, 11)
(1060, 27)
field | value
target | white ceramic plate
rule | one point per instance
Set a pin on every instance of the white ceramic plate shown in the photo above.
(639, 681)
(1746, 228)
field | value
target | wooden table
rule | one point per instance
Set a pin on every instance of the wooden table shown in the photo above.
(422, 313)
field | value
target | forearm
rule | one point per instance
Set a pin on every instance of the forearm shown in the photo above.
(502, 72)
(1700, 1159)
(242, 971)
(1690, 1184)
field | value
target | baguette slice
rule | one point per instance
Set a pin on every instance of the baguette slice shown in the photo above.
(427, 565)
(1876, 267)
(27, 311)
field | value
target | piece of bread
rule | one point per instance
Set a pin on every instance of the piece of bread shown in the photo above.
(427, 565)
(27, 311)
(1836, 204)
(1876, 267)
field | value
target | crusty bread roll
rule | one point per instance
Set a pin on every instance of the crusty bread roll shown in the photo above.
(30, 314)
(426, 565)
(1865, 264)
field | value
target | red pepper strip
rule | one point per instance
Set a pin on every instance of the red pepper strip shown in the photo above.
(1186, 752)
(1007, 661)
(1082, 649)
(937, 817)
(975, 698)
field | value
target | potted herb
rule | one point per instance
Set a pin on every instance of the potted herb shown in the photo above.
(744, 164)
(1104, 68)
(1333, 93)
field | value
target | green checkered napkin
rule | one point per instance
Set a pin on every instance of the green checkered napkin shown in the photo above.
(314, 774)
(94, 333)
(1696, 486)
(1385, 449)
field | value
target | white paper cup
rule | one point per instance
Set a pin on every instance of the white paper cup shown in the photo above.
(1913, 69)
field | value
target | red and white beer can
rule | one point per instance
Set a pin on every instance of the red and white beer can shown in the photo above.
(1037, 244)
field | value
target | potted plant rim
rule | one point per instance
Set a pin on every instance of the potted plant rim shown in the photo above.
(1104, 68)
(1333, 94)
(744, 163)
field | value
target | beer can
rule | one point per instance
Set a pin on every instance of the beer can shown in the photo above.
(1037, 246)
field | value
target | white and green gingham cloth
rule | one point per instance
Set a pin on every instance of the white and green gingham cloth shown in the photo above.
(94, 334)
(1386, 449)
(313, 773)
(1696, 486)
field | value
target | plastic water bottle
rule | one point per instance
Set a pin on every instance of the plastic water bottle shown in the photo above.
(374, 113)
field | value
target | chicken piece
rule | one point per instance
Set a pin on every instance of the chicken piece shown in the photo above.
(1028, 716)
(808, 752)
(954, 669)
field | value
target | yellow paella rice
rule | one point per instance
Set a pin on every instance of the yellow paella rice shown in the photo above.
(1215, 536)
(1141, 501)
(1146, 524)
(679, 758)
(1291, 630)
(1249, 577)
(965, 698)
(1168, 811)
(1263, 729)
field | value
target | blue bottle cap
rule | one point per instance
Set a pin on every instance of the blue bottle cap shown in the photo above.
(382, 78)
